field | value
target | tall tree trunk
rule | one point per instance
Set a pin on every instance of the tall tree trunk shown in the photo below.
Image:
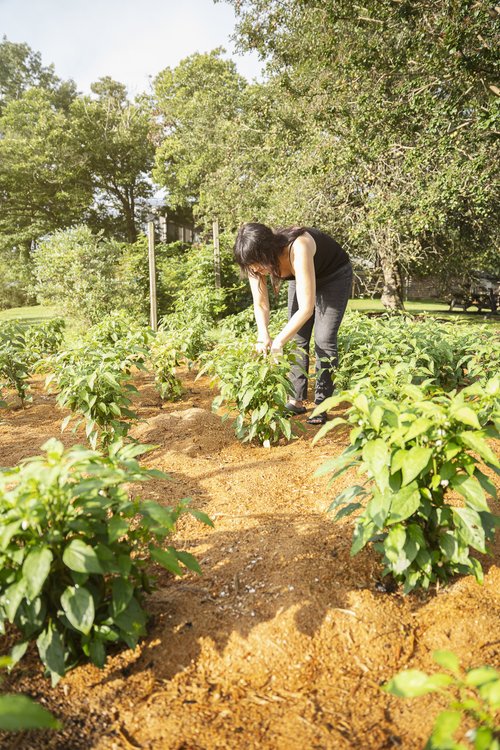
(392, 293)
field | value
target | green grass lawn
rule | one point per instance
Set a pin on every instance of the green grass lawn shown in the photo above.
(37, 313)
(34, 314)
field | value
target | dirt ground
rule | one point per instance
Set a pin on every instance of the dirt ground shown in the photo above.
(285, 640)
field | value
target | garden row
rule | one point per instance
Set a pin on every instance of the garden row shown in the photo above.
(424, 402)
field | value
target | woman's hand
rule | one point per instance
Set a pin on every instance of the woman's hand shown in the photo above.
(264, 345)
(277, 346)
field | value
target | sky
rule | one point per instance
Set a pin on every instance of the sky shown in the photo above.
(129, 40)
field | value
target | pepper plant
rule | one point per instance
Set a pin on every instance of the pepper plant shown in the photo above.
(254, 386)
(412, 452)
(94, 383)
(164, 358)
(14, 371)
(76, 552)
(472, 695)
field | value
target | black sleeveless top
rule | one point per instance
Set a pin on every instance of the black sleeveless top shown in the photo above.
(329, 255)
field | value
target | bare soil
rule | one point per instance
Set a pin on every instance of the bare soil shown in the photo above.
(285, 640)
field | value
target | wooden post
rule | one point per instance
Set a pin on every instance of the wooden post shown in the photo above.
(215, 227)
(152, 275)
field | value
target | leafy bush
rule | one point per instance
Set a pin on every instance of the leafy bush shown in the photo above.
(473, 695)
(191, 331)
(76, 270)
(414, 451)
(75, 552)
(412, 350)
(96, 384)
(256, 386)
(14, 371)
(120, 333)
(165, 358)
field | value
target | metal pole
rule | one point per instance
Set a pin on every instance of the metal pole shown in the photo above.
(215, 228)
(152, 275)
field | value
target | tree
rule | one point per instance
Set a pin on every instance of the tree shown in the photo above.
(196, 104)
(398, 111)
(77, 270)
(21, 69)
(42, 186)
(111, 136)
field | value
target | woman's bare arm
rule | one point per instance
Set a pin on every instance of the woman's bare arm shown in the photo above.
(304, 249)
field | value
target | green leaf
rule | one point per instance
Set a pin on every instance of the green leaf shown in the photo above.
(484, 739)
(189, 561)
(51, 650)
(419, 426)
(97, 652)
(446, 724)
(132, 622)
(414, 462)
(471, 529)
(465, 415)
(476, 442)
(12, 598)
(19, 713)
(78, 606)
(404, 503)
(470, 488)
(376, 454)
(448, 660)
(81, 557)
(347, 510)
(363, 532)
(117, 527)
(346, 496)
(201, 516)
(160, 515)
(17, 652)
(378, 508)
(410, 684)
(36, 568)
(481, 676)
(166, 559)
(122, 592)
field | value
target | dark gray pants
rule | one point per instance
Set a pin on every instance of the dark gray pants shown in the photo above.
(332, 295)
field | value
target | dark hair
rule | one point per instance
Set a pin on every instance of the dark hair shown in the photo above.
(259, 244)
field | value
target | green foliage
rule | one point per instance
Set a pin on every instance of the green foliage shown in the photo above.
(13, 360)
(19, 713)
(75, 552)
(396, 349)
(75, 270)
(472, 695)
(95, 384)
(413, 451)
(110, 136)
(21, 348)
(255, 386)
(165, 358)
(93, 378)
(196, 101)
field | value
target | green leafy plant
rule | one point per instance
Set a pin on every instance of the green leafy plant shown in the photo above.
(76, 552)
(397, 349)
(93, 383)
(413, 451)
(473, 698)
(256, 386)
(19, 713)
(14, 371)
(43, 338)
(164, 359)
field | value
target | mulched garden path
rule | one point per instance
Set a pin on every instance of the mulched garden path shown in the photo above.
(285, 640)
